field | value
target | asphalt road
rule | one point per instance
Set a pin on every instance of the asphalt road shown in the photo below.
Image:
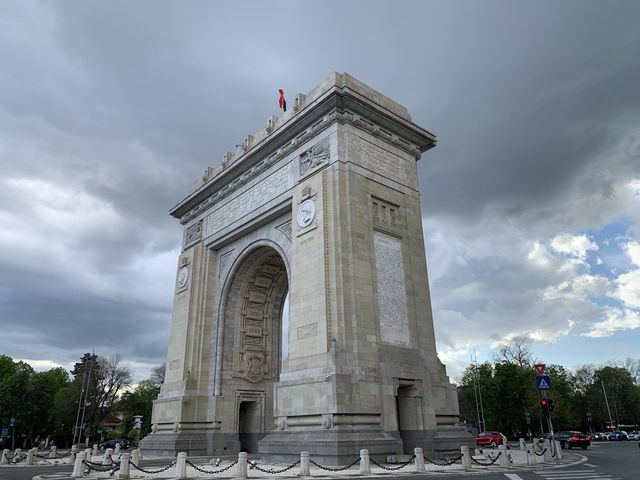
(605, 461)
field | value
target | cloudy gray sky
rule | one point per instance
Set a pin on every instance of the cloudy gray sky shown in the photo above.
(531, 201)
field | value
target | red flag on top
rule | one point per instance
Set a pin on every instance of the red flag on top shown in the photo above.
(282, 103)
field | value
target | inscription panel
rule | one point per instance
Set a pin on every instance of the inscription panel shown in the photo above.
(245, 203)
(391, 299)
(378, 160)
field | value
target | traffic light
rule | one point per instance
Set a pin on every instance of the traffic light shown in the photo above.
(550, 404)
(544, 406)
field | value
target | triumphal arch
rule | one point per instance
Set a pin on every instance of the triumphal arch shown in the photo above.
(302, 317)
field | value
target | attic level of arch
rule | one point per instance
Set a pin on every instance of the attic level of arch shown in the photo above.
(237, 170)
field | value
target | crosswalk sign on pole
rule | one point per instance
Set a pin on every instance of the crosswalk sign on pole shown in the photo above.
(543, 382)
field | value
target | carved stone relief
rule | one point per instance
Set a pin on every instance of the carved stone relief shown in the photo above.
(314, 158)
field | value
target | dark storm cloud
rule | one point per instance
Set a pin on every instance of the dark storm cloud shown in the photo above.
(110, 110)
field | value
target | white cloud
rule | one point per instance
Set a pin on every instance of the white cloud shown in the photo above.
(628, 288)
(616, 320)
(633, 251)
(575, 246)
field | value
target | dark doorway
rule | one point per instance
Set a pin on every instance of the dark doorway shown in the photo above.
(408, 414)
(249, 426)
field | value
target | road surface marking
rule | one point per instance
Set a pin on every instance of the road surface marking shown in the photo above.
(513, 476)
(589, 465)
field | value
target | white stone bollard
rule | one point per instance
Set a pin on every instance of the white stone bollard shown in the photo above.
(87, 454)
(77, 465)
(94, 450)
(242, 465)
(54, 451)
(523, 446)
(30, 453)
(5, 459)
(181, 465)
(419, 453)
(125, 467)
(136, 457)
(16, 455)
(106, 458)
(365, 464)
(72, 456)
(116, 452)
(558, 450)
(466, 457)
(503, 460)
(548, 454)
(305, 466)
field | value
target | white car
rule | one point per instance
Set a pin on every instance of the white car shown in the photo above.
(635, 435)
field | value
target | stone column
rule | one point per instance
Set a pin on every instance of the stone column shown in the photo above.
(466, 457)
(242, 465)
(419, 453)
(504, 461)
(181, 465)
(305, 466)
(124, 466)
(365, 465)
(4, 460)
(77, 465)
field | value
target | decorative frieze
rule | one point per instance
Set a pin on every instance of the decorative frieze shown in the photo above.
(385, 214)
(377, 159)
(249, 201)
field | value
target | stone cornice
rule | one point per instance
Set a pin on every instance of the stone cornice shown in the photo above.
(340, 98)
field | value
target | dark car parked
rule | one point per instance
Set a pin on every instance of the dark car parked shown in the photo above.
(572, 439)
(124, 444)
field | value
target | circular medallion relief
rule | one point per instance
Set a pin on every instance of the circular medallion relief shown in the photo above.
(183, 276)
(306, 213)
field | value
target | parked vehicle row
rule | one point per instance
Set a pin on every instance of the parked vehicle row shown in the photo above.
(617, 435)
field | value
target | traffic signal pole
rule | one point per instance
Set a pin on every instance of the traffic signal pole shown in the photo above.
(554, 448)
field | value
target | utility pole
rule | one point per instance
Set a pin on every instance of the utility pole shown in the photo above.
(478, 392)
(82, 402)
(607, 402)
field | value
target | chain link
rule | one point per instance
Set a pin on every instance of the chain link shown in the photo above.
(541, 453)
(493, 460)
(443, 463)
(266, 470)
(97, 467)
(151, 472)
(404, 464)
(337, 469)
(212, 472)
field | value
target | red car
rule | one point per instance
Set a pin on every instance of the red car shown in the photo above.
(489, 439)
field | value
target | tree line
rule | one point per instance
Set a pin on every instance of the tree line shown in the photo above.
(506, 390)
(39, 405)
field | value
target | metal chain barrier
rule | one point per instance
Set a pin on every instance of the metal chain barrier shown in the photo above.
(483, 464)
(267, 470)
(61, 455)
(444, 463)
(96, 467)
(151, 472)
(541, 453)
(212, 472)
(20, 458)
(398, 467)
(336, 469)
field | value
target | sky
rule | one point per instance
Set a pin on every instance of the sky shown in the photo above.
(109, 110)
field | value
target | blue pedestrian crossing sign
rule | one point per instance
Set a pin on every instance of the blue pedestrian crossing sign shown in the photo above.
(543, 382)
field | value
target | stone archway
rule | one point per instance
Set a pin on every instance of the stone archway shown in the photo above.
(254, 302)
